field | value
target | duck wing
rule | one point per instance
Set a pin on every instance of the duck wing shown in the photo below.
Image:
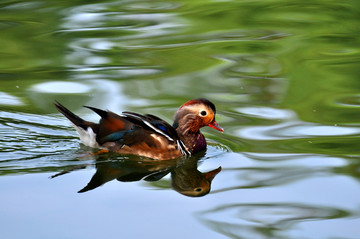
(112, 127)
(136, 131)
(159, 127)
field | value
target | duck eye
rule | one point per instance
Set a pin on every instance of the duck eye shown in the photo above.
(203, 113)
(198, 189)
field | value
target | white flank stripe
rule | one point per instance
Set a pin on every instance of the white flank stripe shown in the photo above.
(151, 126)
(182, 148)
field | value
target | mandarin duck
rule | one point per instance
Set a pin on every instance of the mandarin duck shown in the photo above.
(147, 135)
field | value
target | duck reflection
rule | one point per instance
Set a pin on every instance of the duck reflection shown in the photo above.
(185, 176)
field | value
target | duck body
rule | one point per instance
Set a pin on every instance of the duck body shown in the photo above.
(147, 135)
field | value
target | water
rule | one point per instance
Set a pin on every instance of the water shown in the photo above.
(283, 76)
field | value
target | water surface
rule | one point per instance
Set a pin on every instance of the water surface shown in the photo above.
(283, 76)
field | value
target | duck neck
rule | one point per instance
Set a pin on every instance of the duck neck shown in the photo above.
(188, 130)
(194, 141)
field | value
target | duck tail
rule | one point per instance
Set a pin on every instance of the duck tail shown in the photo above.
(76, 120)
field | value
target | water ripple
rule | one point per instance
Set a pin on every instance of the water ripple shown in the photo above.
(7, 99)
(273, 220)
(31, 143)
(298, 129)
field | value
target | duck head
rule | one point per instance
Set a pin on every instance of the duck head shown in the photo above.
(195, 114)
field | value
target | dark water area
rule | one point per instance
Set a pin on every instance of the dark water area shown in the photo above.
(284, 76)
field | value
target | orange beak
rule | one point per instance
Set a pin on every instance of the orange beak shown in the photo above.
(216, 126)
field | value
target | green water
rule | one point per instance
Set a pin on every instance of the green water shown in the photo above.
(284, 76)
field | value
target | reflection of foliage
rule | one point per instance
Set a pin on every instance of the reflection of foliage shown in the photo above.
(352, 168)
(269, 177)
(265, 220)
